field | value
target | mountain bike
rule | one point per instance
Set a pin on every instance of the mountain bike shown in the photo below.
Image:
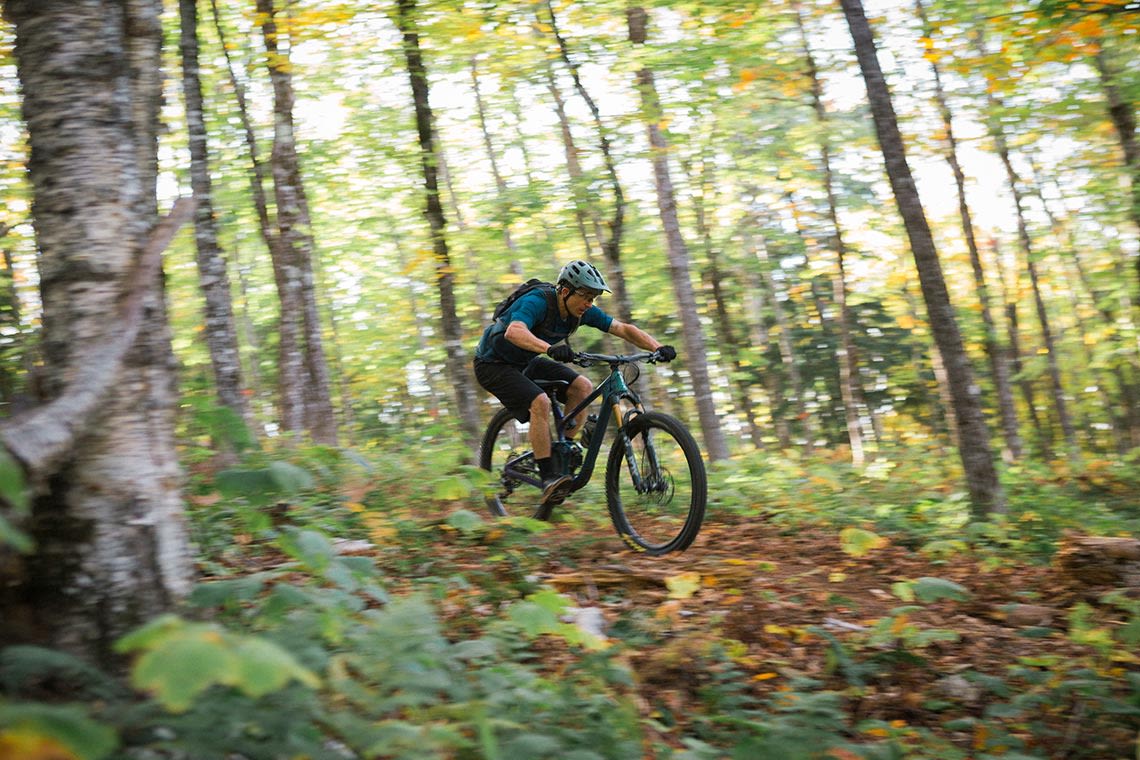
(656, 486)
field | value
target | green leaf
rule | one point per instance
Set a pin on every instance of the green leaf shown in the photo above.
(221, 593)
(264, 667)
(465, 521)
(451, 488)
(929, 589)
(903, 590)
(183, 659)
(12, 536)
(69, 726)
(289, 478)
(184, 666)
(312, 549)
(533, 618)
(150, 634)
(13, 488)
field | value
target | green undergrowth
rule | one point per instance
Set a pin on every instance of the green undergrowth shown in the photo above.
(918, 498)
(436, 640)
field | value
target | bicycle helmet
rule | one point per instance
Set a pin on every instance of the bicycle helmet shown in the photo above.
(582, 274)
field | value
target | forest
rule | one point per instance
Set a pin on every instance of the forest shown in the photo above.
(249, 247)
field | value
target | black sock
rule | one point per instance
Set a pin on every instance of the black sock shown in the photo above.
(545, 468)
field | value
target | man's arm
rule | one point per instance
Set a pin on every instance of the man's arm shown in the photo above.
(520, 335)
(634, 335)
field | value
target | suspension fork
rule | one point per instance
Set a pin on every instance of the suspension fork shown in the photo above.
(640, 484)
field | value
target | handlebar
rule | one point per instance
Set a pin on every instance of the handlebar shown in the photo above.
(583, 359)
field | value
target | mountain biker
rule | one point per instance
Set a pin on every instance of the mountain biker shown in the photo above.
(509, 357)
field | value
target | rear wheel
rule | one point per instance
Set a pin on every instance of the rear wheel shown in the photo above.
(661, 509)
(508, 441)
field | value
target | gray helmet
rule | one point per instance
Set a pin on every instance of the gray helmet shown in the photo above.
(582, 274)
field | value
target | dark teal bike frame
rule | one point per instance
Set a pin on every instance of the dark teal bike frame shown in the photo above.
(613, 390)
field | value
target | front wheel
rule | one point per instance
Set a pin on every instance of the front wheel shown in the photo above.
(656, 486)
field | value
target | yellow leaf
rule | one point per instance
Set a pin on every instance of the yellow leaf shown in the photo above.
(765, 676)
(899, 624)
(683, 585)
(837, 577)
(778, 630)
(27, 744)
(859, 543)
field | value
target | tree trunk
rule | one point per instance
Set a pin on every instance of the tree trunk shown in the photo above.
(1059, 402)
(702, 181)
(112, 546)
(850, 389)
(583, 210)
(220, 326)
(788, 355)
(611, 243)
(1122, 112)
(457, 365)
(696, 355)
(291, 381)
(761, 338)
(973, 435)
(1024, 384)
(501, 201)
(294, 227)
(998, 361)
(1100, 561)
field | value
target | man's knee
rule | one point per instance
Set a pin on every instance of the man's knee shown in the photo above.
(581, 386)
(540, 405)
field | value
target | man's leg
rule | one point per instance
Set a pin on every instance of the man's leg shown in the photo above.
(575, 394)
(540, 414)
(554, 484)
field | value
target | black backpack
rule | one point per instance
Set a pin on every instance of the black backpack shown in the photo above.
(551, 293)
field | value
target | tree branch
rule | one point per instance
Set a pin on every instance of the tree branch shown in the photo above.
(41, 438)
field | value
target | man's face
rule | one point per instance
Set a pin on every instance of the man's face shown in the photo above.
(580, 300)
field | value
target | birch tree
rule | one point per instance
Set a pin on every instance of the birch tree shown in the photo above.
(111, 541)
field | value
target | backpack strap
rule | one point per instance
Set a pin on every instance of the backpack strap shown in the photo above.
(552, 312)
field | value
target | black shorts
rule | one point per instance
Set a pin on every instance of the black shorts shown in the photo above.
(516, 388)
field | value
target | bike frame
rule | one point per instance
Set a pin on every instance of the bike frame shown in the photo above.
(613, 390)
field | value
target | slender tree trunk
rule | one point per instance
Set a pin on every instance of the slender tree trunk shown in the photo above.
(488, 144)
(457, 367)
(294, 226)
(1122, 112)
(291, 381)
(696, 355)
(1024, 384)
(611, 243)
(973, 435)
(1121, 360)
(584, 211)
(850, 389)
(788, 356)
(220, 327)
(702, 181)
(1059, 401)
(761, 338)
(112, 546)
(481, 310)
(998, 361)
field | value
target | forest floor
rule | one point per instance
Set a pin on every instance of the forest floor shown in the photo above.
(983, 673)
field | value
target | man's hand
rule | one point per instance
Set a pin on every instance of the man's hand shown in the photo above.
(666, 354)
(560, 352)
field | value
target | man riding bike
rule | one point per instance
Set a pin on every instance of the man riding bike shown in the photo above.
(509, 357)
